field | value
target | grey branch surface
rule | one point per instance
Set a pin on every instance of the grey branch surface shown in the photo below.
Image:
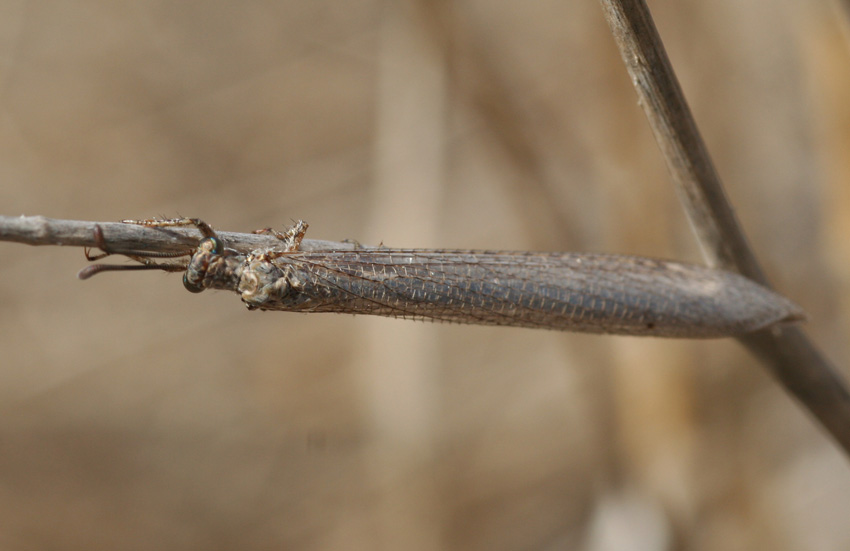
(38, 230)
(785, 350)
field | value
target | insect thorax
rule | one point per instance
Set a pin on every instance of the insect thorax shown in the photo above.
(262, 284)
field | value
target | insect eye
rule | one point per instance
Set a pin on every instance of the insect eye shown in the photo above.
(211, 244)
(191, 287)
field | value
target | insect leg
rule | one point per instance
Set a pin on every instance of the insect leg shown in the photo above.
(143, 257)
(291, 238)
(101, 244)
(205, 229)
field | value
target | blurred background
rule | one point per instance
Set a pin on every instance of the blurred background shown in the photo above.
(135, 415)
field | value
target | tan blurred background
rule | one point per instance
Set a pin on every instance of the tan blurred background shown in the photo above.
(135, 415)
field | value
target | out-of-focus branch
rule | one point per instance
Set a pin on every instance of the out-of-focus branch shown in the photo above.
(787, 352)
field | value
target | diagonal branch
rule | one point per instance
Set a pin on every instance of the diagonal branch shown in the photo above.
(786, 351)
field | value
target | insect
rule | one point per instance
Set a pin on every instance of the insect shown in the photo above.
(594, 293)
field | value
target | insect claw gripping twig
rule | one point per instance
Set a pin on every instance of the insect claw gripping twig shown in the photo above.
(101, 244)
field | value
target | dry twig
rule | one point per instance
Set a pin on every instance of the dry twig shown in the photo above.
(785, 350)
(38, 230)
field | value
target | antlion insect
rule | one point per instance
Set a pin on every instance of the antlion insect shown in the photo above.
(594, 293)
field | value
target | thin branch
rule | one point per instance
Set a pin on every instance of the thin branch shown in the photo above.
(38, 230)
(676, 132)
(786, 351)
